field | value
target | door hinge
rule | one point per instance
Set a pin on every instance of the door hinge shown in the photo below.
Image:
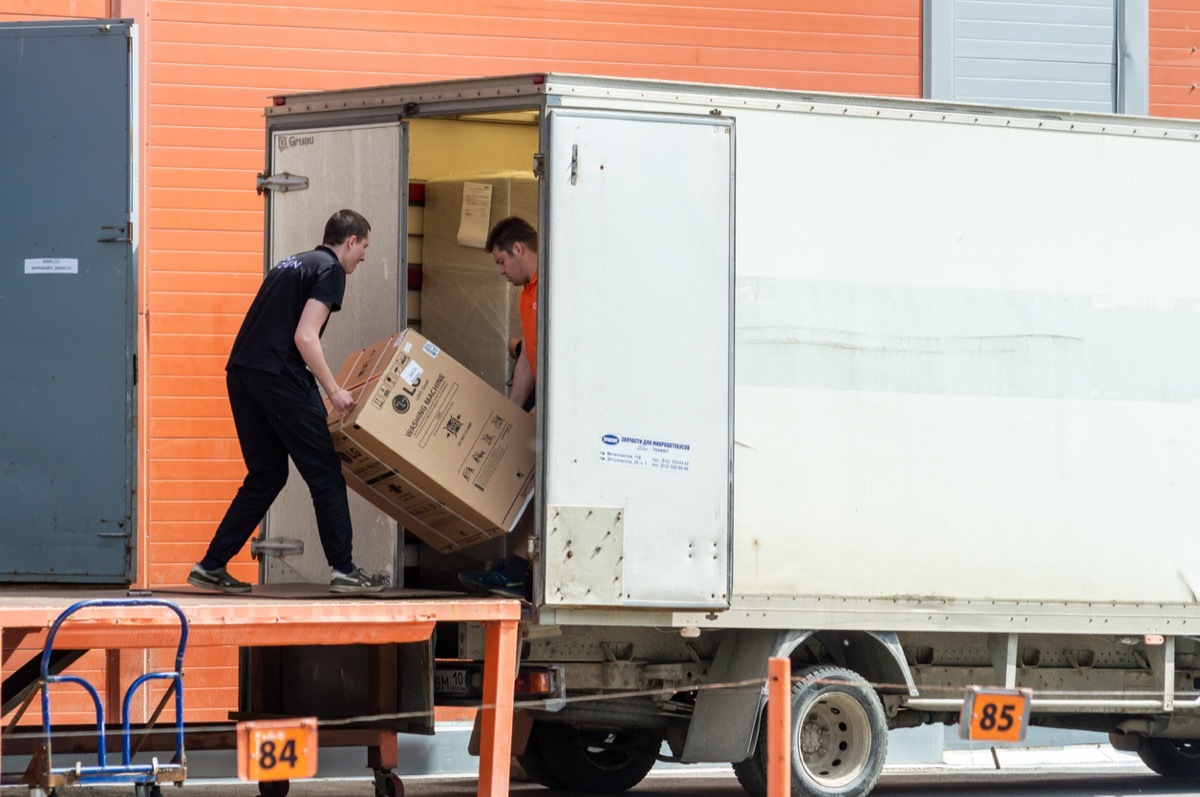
(539, 164)
(275, 547)
(283, 182)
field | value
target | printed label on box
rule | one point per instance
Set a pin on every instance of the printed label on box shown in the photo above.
(488, 450)
(412, 372)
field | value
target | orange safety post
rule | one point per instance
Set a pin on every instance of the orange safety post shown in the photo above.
(779, 727)
(496, 715)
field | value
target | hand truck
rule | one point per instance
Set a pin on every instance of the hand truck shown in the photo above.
(44, 777)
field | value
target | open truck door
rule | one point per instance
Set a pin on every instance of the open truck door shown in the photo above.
(313, 174)
(636, 367)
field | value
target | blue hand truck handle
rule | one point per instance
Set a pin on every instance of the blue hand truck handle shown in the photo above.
(176, 676)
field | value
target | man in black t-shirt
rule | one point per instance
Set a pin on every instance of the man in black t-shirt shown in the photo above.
(272, 375)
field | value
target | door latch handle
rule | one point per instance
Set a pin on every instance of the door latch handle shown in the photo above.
(125, 234)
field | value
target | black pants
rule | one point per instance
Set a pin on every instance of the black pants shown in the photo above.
(277, 416)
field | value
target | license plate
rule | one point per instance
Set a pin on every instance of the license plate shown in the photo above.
(453, 682)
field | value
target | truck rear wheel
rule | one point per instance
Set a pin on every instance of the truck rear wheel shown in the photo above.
(533, 760)
(1174, 758)
(838, 737)
(597, 761)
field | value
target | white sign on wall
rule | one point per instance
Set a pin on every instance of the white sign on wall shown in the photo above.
(51, 265)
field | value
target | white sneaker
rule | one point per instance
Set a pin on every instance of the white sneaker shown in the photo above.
(357, 581)
(218, 580)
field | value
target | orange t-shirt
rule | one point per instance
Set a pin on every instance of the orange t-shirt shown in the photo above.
(528, 307)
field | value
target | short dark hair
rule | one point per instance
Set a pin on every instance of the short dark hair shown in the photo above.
(508, 232)
(342, 225)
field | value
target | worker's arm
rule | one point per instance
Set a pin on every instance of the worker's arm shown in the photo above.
(522, 381)
(308, 341)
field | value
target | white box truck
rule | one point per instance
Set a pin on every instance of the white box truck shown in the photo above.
(905, 391)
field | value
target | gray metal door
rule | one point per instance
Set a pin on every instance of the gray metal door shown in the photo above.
(636, 362)
(67, 303)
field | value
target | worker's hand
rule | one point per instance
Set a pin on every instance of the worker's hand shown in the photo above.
(342, 401)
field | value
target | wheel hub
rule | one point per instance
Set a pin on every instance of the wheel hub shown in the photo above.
(834, 739)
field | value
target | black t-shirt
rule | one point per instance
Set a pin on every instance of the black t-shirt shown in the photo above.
(266, 340)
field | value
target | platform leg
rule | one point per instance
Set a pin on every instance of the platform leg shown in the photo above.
(123, 666)
(496, 716)
(3, 658)
(383, 752)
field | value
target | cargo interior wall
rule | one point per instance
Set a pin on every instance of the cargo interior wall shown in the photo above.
(465, 174)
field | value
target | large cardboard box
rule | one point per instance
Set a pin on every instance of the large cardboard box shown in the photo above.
(366, 363)
(432, 445)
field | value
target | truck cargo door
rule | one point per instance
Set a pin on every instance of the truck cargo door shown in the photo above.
(635, 366)
(312, 174)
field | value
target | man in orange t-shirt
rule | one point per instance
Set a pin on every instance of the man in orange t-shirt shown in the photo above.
(513, 243)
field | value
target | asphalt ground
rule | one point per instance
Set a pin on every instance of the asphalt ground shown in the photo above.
(1091, 778)
(1071, 771)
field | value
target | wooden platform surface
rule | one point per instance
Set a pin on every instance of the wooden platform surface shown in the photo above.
(304, 591)
(279, 615)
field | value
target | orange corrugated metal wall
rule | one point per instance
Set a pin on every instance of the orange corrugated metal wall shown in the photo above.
(1175, 58)
(208, 69)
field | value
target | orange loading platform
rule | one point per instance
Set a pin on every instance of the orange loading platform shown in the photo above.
(263, 621)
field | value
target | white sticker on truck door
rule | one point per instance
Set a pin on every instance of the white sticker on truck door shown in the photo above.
(644, 452)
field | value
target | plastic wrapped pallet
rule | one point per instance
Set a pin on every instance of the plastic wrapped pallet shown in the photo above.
(467, 308)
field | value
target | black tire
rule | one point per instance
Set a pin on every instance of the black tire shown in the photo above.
(533, 760)
(1173, 758)
(838, 738)
(598, 761)
(274, 788)
(388, 784)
